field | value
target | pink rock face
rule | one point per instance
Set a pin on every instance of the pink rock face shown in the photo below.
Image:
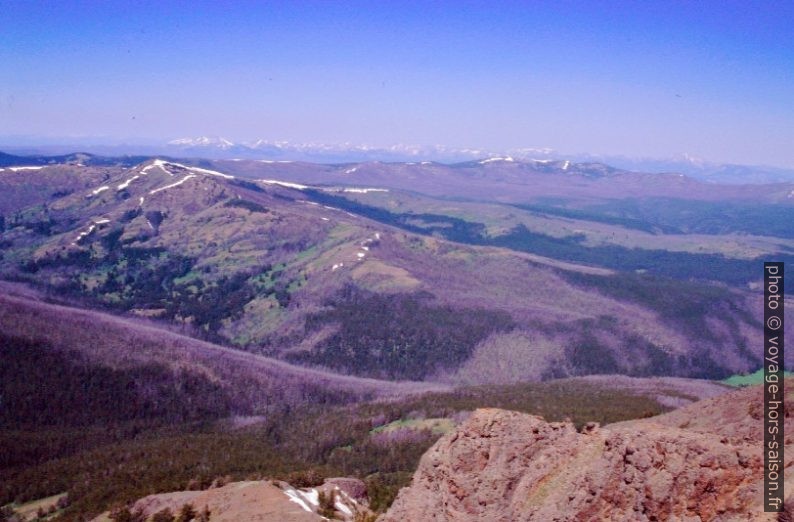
(510, 467)
(263, 501)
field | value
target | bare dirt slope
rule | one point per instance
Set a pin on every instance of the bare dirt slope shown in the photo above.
(702, 462)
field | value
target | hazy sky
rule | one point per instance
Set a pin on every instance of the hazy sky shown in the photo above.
(712, 79)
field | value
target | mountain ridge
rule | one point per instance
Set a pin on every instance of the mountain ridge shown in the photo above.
(214, 147)
(288, 270)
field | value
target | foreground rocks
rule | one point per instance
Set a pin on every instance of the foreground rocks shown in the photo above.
(702, 462)
(261, 501)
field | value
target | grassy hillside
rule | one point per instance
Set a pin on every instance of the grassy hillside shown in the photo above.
(146, 346)
(516, 182)
(573, 247)
(273, 269)
(749, 379)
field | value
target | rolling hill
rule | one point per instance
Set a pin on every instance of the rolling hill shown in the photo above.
(101, 410)
(510, 180)
(387, 283)
(169, 323)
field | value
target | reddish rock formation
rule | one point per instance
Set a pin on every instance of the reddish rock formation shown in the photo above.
(261, 501)
(702, 462)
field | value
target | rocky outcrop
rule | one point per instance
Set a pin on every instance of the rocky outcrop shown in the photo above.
(263, 501)
(703, 462)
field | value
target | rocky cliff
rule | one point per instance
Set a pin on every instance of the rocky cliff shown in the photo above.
(702, 462)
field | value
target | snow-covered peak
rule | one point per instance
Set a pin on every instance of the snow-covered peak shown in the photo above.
(203, 141)
(158, 163)
(693, 160)
(346, 152)
(508, 159)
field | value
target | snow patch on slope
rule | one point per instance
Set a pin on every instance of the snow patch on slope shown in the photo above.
(83, 234)
(97, 191)
(313, 496)
(295, 496)
(127, 183)
(91, 228)
(172, 185)
(364, 190)
(285, 184)
(340, 506)
(17, 169)
(207, 171)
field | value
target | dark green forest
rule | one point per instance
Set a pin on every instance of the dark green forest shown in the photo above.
(398, 336)
(298, 445)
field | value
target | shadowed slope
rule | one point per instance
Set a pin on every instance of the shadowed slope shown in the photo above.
(253, 384)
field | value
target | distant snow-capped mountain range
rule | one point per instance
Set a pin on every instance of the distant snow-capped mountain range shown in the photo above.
(203, 141)
(222, 148)
(216, 147)
(343, 152)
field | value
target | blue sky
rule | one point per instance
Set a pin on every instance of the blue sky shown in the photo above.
(712, 79)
